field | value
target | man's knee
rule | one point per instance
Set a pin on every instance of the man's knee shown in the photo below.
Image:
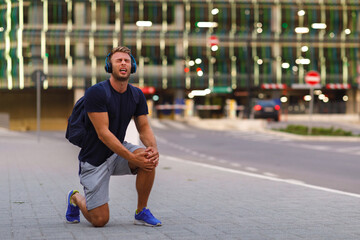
(99, 221)
(99, 216)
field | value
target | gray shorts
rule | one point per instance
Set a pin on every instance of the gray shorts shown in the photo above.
(95, 180)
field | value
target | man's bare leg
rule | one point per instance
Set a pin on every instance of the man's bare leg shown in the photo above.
(144, 183)
(98, 217)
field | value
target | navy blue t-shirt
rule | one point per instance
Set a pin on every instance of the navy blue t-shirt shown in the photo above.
(121, 107)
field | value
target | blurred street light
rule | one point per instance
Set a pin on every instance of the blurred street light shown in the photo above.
(347, 31)
(284, 99)
(144, 23)
(155, 98)
(285, 65)
(206, 24)
(302, 30)
(318, 26)
(301, 13)
(304, 48)
(214, 48)
(307, 98)
(303, 61)
(195, 93)
(215, 11)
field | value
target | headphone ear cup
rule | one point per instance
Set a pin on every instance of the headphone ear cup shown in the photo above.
(133, 64)
(108, 67)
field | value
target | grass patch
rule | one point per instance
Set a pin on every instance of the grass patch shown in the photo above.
(316, 131)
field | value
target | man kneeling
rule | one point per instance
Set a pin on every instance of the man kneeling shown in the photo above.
(110, 105)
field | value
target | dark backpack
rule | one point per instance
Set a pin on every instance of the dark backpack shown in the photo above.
(76, 129)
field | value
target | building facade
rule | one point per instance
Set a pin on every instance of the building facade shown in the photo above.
(239, 50)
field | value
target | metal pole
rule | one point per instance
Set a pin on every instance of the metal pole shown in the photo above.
(38, 106)
(121, 22)
(311, 109)
(249, 68)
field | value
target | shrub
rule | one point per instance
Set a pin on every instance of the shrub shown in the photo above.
(316, 131)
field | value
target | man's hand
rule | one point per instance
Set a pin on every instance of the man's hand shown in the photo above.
(143, 162)
(152, 155)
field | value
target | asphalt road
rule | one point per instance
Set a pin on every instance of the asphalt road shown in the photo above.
(329, 164)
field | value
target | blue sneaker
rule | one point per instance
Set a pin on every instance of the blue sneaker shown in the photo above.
(146, 218)
(73, 211)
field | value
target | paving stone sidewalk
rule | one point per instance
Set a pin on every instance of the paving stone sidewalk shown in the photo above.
(193, 202)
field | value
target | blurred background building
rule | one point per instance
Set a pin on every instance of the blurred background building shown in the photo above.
(194, 57)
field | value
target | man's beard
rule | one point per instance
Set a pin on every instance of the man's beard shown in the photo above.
(120, 78)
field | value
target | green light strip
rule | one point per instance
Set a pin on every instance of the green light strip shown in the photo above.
(43, 42)
(7, 45)
(92, 42)
(117, 23)
(20, 45)
(163, 44)
(68, 45)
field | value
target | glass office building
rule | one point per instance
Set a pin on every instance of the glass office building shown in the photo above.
(238, 49)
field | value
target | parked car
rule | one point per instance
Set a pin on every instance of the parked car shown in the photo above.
(266, 109)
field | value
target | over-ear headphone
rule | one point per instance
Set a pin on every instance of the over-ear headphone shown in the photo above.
(108, 66)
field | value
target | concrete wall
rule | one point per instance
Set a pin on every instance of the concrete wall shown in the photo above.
(56, 107)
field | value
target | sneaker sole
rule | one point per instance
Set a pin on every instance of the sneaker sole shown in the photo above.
(73, 222)
(142, 223)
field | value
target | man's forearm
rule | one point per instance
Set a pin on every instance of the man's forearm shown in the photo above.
(148, 139)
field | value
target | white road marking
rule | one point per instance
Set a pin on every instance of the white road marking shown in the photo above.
(176, 125)
(195, 153)
(315, 147)
(288, 181)
(296, 182)
(270, 174)
(258, 137)
(235, 164)
(188, 135)
(251, 169)
(181, 147)
(348, 149)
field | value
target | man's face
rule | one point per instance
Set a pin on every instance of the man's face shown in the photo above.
(121, 66)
